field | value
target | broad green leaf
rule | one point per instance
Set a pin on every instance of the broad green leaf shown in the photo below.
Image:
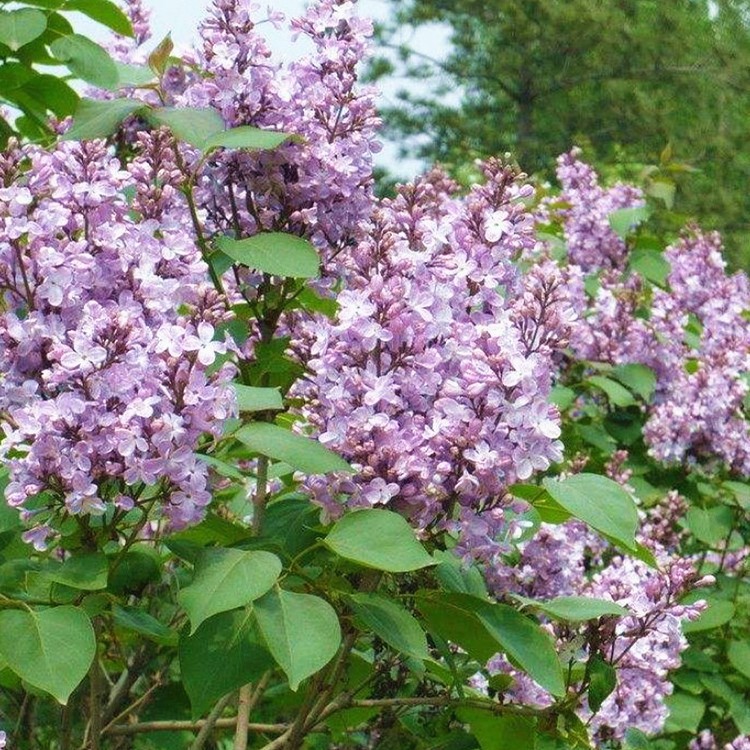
(138, 567)
(599, 502)
(95, 119)
(87, 572)
(449, 617)
(104, 12)
(276, 253)
(650, 264)
(221, 467)
(86, 60)
(194, 125)
(624, 220)
(494, 732)
(577, 608)
(52, 93)
(301, 631)
(51, 649)
(133, 75)
(378, 539)
(603, 678)
(526, 643)
(719, 613)
(739, 657)
(640, 379)
(663, 190)
(455, 576)
(710, 525)
(138, 621)
(394, 624)
(248, 137)
(562, 396)
(21, 26)
(685, 713)
(250, 398)
(221, 656)
(304, 454)
(616, 393)
(226, 579)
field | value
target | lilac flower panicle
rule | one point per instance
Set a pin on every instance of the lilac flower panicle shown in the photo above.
(92, 405)
(433, 378)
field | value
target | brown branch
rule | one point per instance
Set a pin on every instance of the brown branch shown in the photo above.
(191, 726)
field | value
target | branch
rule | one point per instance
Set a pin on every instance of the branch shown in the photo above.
(191, 726)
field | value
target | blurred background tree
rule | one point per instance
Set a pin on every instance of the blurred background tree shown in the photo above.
(629, 80)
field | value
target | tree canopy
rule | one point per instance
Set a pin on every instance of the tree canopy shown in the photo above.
(622, 78)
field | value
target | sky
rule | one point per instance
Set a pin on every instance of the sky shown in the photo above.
(182, 17)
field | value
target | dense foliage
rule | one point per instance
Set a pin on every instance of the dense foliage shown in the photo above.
(286, 465)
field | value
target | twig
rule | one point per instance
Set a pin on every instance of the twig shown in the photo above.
(210, 724)
(191, 726)
(248, 699)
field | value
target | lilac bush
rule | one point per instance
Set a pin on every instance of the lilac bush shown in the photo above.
(282, 449)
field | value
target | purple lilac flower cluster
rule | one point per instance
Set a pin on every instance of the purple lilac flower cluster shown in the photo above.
(696, 336)
(592, 243)
(104, 386)
(321, 187)
(433, 378)
(644, 646)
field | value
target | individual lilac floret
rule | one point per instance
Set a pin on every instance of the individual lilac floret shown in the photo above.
(433, 378)
(94, 406)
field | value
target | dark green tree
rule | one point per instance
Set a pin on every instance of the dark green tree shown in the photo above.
(623, 78)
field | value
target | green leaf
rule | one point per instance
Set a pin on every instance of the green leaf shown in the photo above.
(52, 649)
(624, 220)
(302, 632)
(456, 577)
(221, 656)
(650, 264)
(134, 571)
(640, 379)
(276, 253)
(250, 398)
(52, 93)
(598, 502)
(378, 539)
(86, 572)
(226, 579)
(248, 137)
(663, 190)
(86, 60)
(739, 657)
(526, 643)
(577, 608)
(685, 712)
(21, 26)
(616, 393)
(719, 613)
(194, 125)
(133, 76)
(104, 12)
(710, 525)
(95, 119)
(138, 621)
(392, 623)
(603, 681)
(494, 732)
(450, 618)
(304, 454)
